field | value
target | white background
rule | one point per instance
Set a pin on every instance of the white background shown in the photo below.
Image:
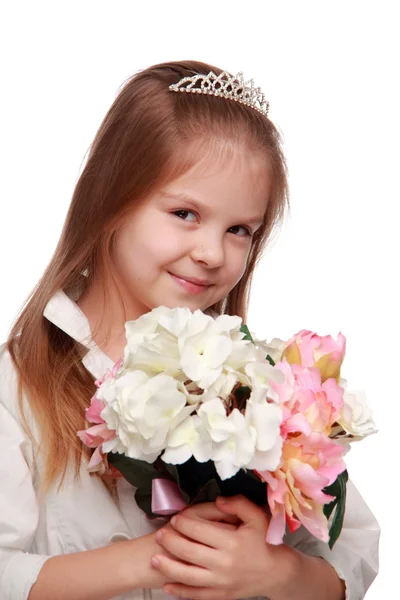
(330, 71)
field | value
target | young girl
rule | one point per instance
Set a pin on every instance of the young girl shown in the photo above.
(179, 195)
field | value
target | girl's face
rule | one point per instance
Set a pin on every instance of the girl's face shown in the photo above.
(188, 243)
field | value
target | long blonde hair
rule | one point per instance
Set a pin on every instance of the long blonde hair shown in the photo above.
(133, 152)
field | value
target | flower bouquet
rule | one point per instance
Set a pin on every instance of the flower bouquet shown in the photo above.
(198, 408)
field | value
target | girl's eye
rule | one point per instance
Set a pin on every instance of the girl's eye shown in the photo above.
(190, 216)
(183, 214)
(240, 230)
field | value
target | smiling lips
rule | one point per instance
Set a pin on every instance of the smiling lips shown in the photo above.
(191, 284)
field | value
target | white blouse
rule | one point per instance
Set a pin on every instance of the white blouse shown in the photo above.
(83, 516)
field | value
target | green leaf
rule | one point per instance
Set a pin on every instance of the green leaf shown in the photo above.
(174, 472)
(270, 360)
(245, 329)
(143, 500)
(334, 490)
(242, 394)
(337, 489)
(208, 492)
(139, 473)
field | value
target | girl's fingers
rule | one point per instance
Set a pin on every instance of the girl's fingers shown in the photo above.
(227, 526)
(194, 593)
(185, 549)
(202, 531)
(210, 512)
(181, 573)
(244, 510)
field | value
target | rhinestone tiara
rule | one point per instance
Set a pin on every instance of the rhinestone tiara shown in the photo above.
(224, 85)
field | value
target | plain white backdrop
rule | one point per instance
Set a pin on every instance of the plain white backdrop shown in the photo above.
(330, 71)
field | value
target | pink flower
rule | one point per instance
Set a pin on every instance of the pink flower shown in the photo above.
(311, 350)
(94, 436)
(295, 496)
(309, 405)
(94, 410)
(110, 374)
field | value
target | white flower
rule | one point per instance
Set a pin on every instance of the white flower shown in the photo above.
(143, 329)
(265, 419)
(237, 450)
(187, 345)
(188, 439)
(196, 324)
(356, 417)
(223, 386)
(142, 410)
(157, 355)
(106, 391)
(151, 347)
(274, 348)
(215, 420)
(233, 440)
(208, 346)
(202, 361)
(261, 374)
(229, 324)
(243, 352)
(175, 320)
(152, 340)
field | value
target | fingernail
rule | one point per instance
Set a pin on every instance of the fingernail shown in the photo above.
(169, 590)
(159, 535)
(173, 521)
(155, 562)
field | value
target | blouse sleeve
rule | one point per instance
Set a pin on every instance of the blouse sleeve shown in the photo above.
(355, 554)
(19, 512)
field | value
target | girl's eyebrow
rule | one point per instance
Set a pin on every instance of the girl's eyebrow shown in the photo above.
(257, 220)
(185, 198)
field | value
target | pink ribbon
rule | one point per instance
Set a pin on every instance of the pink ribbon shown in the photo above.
(166, 498)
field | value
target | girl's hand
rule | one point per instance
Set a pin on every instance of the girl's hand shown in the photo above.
(209, 511)
(219, 562)
(206, 512)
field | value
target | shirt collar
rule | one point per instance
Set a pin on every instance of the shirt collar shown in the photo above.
(63, 312)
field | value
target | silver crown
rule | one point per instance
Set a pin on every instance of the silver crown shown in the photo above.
(225, 85)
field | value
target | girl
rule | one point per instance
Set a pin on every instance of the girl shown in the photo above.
(174, 206)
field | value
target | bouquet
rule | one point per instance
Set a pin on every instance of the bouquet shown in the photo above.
(198, 408)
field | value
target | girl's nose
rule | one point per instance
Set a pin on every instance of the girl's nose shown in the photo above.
(210, 252)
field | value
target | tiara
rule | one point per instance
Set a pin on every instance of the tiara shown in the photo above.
(225, 85)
